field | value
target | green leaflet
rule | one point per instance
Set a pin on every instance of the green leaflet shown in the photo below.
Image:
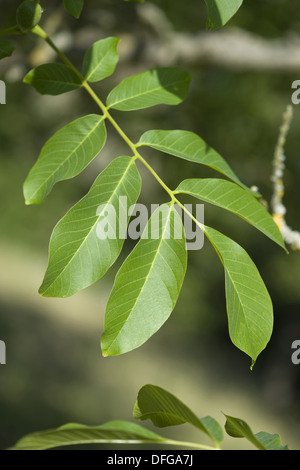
(74, 7)
(236, 427)
(165, 85)
(78, 257)
(147, 285)
(189, 146)
(220, 11)
(164, 409)
(233, 198)
(249, 307)
(113, 432)
(53, 79)
(270, 441)
(101, 59)
(64, 156)
(6, 49)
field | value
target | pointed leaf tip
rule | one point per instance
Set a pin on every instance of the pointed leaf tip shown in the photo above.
(74, 7)
(165, 409)
(249, 306)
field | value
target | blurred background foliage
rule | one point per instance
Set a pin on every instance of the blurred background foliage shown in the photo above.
(55, 372)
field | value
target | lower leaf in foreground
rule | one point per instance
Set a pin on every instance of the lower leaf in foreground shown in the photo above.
(236, 427)
(147, 285)
(249, 306)
(113, 432)
(164, 409)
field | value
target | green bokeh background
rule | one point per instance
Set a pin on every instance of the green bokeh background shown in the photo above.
(55, 372)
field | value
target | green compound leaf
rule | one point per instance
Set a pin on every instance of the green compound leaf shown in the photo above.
(147, 285)
(220, 11)
(113, 432)
(64, 156)
(233, 198)
(164, 409)
(236, 427)
(164, 85)
(74, 7)
(249, 306)
(79, 255)
(101, 59)
(53, 79)
(188, 146)
(6, 49)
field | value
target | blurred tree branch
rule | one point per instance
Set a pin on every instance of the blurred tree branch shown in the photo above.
(234, 49)
(231, 48)
(152, 41)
